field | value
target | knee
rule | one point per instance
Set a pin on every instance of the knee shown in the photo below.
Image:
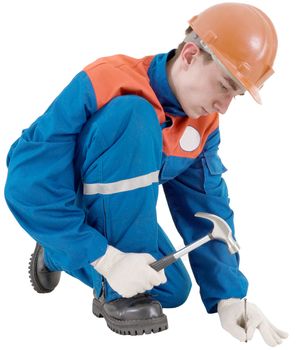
(130, 103)
(180, 292)
(127, 122)
(138, 113)
(127, 115)
(134, 123)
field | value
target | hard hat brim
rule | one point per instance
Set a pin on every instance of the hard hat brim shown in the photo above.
(233, 73)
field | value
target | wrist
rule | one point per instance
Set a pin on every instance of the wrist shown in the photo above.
(226, 302)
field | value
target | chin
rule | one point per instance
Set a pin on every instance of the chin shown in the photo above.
(190, 113)
(194, 115)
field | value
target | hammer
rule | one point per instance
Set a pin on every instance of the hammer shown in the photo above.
(221, 231)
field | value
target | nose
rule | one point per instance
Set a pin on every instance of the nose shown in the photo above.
(222, 104)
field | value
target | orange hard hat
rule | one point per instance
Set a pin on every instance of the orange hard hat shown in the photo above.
(242, 39)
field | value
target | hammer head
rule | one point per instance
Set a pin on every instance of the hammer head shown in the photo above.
(221, 231)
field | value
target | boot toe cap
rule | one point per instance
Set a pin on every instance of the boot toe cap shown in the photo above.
(140, 307)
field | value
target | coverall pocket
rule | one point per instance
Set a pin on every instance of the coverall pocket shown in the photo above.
(171, 168)
(213, 170)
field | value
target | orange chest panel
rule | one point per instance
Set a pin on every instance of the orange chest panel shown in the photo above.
(187, 137)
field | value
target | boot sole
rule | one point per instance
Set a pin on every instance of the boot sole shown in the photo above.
(33, 273)
(131, 327)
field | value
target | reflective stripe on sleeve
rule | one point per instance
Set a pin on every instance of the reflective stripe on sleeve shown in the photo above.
(122, 185)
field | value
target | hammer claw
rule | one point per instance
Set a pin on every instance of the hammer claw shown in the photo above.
(221, 230)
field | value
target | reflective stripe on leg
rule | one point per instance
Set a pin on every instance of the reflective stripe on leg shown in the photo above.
(122, 185)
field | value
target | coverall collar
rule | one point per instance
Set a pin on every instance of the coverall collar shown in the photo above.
(158, 80)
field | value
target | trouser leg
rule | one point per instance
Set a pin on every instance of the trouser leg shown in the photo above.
(120, 158)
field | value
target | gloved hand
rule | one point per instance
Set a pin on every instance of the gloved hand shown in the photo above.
(128, 273)
(231, 313)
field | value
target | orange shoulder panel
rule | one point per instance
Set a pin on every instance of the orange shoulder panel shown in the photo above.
(122, 75)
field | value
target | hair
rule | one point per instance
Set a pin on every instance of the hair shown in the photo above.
(206, 56)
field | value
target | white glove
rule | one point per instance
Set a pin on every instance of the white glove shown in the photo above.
(128, 273)
(232, 317)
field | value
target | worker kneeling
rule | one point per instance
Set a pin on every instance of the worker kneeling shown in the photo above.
(83, 178)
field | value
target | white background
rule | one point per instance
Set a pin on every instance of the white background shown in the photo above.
(43, 45)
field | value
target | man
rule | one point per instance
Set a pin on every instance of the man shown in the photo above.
(83, 178)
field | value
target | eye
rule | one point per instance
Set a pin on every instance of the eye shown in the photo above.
(223, 87)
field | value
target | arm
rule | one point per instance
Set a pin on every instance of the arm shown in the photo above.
(41, 184)
(202, 188)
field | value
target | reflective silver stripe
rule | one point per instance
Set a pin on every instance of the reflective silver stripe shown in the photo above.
(123, 185)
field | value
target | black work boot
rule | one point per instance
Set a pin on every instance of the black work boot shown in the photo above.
(131, 316)
(42, 279)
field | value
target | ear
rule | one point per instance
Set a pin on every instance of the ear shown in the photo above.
(189, 52)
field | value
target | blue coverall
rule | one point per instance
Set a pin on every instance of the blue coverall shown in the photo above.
(80, 178)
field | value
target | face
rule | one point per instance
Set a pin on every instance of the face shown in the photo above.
(201, 87)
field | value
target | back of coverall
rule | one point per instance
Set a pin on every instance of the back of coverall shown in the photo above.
(86, 174)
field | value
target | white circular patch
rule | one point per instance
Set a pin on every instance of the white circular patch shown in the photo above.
(190, 139)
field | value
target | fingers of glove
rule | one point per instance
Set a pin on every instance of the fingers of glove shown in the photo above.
(268, 334)
(277, 334)
(147, 258)
(147, 286)
(280, 333)
(163, 276)
(156, 277)
(136, 260)
(128, 293)
(235, 330)
(253, 322)
(136, 291)
(250, 332)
